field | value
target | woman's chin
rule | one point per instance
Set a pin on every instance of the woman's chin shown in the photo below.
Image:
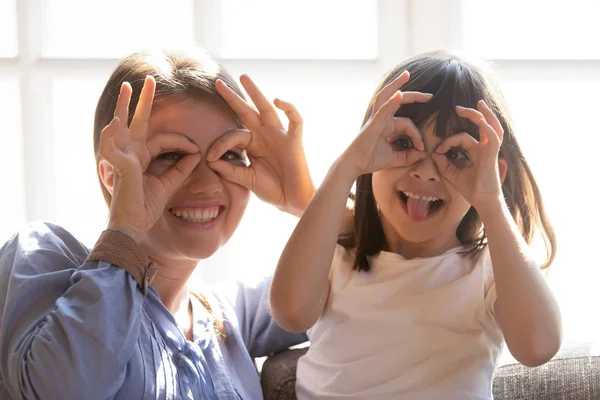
(199, 251)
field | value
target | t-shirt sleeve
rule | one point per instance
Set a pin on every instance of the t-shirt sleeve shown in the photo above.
(260, 333)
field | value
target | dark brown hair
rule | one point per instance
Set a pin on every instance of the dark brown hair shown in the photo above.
(454, 81)
(179, 74)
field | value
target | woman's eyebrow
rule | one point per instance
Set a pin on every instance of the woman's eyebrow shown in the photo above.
(181, 134)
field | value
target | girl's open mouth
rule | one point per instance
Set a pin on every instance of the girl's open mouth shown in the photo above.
(420, 207)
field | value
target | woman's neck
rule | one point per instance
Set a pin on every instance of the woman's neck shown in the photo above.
(171, 282)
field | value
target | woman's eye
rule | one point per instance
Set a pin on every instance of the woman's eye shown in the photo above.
(402, 144)
(233, 157)
(458, 157)
(170, 156)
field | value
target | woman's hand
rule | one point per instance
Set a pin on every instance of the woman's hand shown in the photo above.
(278, 172)
(387, 141)
(138, 198)
(472, 166)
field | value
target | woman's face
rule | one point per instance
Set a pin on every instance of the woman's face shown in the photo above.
(203, 213)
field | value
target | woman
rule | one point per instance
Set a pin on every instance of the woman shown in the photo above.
(120, 321)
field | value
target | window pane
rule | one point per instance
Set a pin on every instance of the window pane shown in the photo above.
(560, 141)
(331, 121)
(514, 29)
(80, 207)
(12, 202)
(8, 28)
(309, 29)
(113, 28)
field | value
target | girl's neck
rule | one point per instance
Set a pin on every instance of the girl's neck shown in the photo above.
(409, 250)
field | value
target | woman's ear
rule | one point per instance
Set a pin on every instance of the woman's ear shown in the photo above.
(107, 176)
(502, 169)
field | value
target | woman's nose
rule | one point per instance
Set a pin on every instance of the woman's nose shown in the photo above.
(203, 180)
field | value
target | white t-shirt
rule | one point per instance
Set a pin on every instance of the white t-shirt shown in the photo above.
(408, 329)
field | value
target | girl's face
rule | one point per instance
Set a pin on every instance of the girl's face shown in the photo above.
(202, 215)
(419, 210)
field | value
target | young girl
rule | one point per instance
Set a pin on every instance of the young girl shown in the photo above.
(417, 302)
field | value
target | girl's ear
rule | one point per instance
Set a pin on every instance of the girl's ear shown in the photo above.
(106, 172)
(502, 169)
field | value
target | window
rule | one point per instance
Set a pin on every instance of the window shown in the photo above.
(313, 29)
(531, 30)
(326, 58)
(73, 103)
(11, 162)
(8, 29)
(547, 67)
(112, 29)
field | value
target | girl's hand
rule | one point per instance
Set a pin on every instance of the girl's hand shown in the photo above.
(472, 166)
(278, 171)
(138, 198)
(386, 141)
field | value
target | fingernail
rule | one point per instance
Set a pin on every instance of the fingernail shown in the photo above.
(460, 108)
(211, 155)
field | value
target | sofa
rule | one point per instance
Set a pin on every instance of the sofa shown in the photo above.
(573, 374)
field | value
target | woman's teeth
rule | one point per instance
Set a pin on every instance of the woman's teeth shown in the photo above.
(196, 214)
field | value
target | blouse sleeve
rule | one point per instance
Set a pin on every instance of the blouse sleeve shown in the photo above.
(259, 330)
(69, 319)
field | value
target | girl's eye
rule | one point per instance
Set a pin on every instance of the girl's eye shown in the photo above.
(171, 156)
(403, 143)
(458, 157)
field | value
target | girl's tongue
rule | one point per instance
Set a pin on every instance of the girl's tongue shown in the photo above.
(418, 210)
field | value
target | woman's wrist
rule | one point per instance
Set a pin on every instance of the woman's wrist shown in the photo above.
(126, 229)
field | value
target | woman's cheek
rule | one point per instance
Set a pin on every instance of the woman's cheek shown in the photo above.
(157, 168)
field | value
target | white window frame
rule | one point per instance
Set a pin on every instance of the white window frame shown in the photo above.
(35, 75)
(405, 27)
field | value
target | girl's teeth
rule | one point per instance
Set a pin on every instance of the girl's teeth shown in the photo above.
(418, 197)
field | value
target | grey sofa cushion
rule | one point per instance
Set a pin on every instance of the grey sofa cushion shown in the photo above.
(573, 374)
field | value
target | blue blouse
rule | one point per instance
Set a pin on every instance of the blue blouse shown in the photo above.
(76, 329)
